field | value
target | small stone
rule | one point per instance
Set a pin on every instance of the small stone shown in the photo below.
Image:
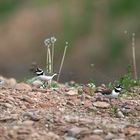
(98, 131)
(76, 131)
(37, 83)
(23, 131)
(11, 83)
(8, 105)
(53, 136)
(101, 104)
(28, 123)
(36, 136)
(109, 136)
(71, 119)
(27, 99)
(69, 138)
(92, 137)
(119, 139)
(72, 92)
(70, 103)
(120, 114)
(10, 99)
(137, 108)
(8, 83)
(31, 116)
(23, 86)
(7, 118)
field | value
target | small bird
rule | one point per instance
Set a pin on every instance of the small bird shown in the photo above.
(125, 108)
(43, 77)
(112, 93)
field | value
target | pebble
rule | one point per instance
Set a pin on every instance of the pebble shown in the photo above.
(71, 103)
(52, 136)
(27, 99)
(23, 86)
(137, 108)
(8, 105)
(92, 137)
(100, 104)
(119, 114)
(31, 116)
(69, 138)
(7, 118)
(98, 131)
(119, 139)
(109, 136)
(37, 83)
(71, 119)
(11, 83)
(28, 123)
(23, 130)
(76, 131)
(8, 83)
(72, 92)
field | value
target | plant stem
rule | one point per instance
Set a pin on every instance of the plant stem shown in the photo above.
(134, 56)
(49, 60)
(52, 56)
(62, 62)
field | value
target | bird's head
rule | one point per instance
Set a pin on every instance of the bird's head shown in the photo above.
(39, 71)
(118, 88)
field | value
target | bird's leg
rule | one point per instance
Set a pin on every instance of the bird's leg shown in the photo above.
(82, 99)
(110, 101)
(44, 84)
(49, 83)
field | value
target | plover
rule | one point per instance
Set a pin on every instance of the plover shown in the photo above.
(43, 77)
(112, 93)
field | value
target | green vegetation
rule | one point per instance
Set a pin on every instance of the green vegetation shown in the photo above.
(126, 80)
(8, 6)
(114, 109)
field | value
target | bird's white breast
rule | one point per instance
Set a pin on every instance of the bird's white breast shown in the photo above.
(114, 94)
(44, 77)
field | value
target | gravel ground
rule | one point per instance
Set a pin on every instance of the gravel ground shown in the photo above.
(29, 113)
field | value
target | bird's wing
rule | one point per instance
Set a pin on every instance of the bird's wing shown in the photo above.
(106, 92)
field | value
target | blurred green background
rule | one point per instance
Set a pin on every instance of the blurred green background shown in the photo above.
(99, 35)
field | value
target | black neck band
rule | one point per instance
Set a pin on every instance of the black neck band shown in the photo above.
(116, 90)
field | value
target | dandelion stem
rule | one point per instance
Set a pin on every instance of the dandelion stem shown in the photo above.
(52, 56)
(134, 56)
(49, 60)
(62, 62)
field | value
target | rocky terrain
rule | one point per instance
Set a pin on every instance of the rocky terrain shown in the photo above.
(66, 112)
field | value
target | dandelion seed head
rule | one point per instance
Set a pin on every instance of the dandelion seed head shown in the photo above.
(133, 34)
(53, 40)
(125, 31)
(47, 42)
(92, 65)
(66, 43)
